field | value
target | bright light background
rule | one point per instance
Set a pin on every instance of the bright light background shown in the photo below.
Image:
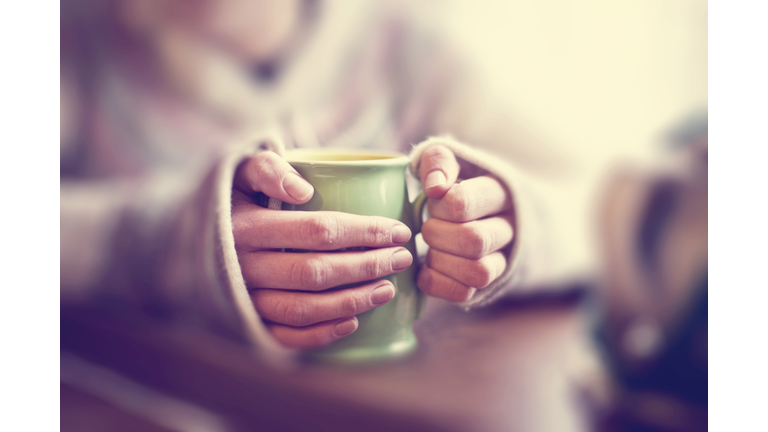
(605, 78)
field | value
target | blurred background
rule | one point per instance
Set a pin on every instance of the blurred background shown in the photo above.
(607, 79)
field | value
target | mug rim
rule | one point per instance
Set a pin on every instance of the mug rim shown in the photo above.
(301, 155)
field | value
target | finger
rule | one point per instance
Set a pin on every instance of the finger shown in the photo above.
(258, 228)
(313, 336)
(473, 240)
(269, 173)
(438, 171)
(316, 271)
(476, 273)
(436, 284)
(299, 309)
(471, 199)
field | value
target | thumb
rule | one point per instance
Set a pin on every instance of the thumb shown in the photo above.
(438, 170)
(269, 173)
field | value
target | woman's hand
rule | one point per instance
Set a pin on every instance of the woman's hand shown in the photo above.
(470, 225)
(290, 290)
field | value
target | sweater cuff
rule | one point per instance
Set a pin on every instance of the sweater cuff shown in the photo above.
(229, 266)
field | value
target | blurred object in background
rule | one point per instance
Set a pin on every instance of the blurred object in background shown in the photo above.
(654, 233)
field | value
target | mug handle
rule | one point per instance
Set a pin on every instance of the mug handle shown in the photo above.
(418, 211)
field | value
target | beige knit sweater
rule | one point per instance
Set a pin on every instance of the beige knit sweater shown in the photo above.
(146, 182)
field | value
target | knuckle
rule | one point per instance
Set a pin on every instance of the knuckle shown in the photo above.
(260, 159)
(374, 267)
(435, 154)
(458, 203)
(351, 305)
(377, 232)
(264, 169)
(260, 163)
(475, 241)
(292, 313)
(323, 231)
(311, 273)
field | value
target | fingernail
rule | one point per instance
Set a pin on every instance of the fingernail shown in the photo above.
(345, 327)
(400, 234)
(382, 294)
(435, 178)
(297, 187)
(401, 260)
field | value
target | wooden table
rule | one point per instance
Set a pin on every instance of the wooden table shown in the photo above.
(512, 366)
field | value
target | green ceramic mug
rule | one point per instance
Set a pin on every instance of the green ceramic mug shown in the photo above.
(370, 183)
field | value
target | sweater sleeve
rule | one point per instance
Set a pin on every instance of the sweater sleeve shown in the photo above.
(163, 244)
(228, 267)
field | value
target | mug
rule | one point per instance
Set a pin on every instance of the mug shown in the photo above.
(369, 183)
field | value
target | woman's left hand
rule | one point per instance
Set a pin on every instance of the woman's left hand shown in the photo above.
(469, 227)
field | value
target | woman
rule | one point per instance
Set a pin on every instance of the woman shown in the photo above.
(174, 114)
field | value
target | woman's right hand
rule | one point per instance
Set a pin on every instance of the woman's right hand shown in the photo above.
(290, 291)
